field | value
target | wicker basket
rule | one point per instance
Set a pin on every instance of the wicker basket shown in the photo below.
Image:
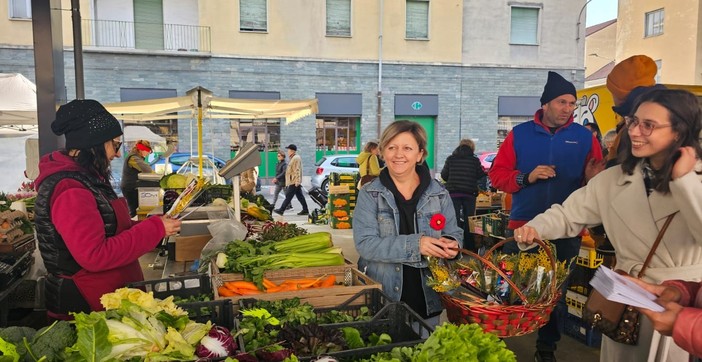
(502, 320)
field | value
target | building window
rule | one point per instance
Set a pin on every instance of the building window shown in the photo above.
(338, 17)
(505, 125)
(336, 134)
(654, 22)
(417, 19)
(525, 25)
(253, 15)
(20, 9)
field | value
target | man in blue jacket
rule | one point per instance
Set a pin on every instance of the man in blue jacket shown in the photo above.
(541, 162)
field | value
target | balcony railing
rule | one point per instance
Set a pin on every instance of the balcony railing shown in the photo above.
(149, 36)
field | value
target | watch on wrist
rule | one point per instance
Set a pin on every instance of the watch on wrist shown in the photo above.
(523, 180)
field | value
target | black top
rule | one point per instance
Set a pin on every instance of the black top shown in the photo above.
(462, 171)
(412, 283)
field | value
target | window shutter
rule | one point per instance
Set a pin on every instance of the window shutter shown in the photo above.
(253, 15)
(417, 19)
(339, 17)
(148, 24)
(525, 22)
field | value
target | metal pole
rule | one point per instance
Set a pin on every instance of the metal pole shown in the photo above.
(78, 48)
(577, 24)
(380, 67)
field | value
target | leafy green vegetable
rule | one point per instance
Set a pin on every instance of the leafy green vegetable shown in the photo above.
(379, 340)
(337, 316)
(353, 337)
(9, 352)
(279, 231)
(16, 335)
(92, 341)
(50, 342)
(136, 326)
(312, 339)
(449, 343)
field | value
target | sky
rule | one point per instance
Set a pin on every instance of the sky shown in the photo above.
(599, 11)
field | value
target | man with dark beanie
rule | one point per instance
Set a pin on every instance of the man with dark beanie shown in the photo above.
(540, 163)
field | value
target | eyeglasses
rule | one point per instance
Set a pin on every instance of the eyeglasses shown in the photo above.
(117, 145)
(645, 127)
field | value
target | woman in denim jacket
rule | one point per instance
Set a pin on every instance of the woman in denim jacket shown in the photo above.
(392, 229)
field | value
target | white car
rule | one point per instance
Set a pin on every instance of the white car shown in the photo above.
(333, 163)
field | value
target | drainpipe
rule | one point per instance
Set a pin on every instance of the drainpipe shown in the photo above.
(78, 49)
(380, 67)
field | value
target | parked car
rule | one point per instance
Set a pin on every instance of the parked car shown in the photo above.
(486, 159)
(333, 163)
(178, 159)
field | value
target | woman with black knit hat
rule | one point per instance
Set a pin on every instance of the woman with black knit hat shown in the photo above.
(87, 239)
(134, 164)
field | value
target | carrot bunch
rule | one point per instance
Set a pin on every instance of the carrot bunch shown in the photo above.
(242, 288)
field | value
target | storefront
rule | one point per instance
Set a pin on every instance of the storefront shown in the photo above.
(338, 124)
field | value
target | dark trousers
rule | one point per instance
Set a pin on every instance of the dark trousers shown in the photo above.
(550, 333)
(132, 196)
(465, 206)
(291, 191)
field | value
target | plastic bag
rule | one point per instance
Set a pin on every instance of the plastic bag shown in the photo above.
(223, 231)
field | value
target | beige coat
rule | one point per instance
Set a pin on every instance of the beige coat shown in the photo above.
(631, 220)
(293, 174)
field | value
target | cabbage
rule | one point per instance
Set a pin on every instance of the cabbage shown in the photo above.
(217, 343)
(176, 181)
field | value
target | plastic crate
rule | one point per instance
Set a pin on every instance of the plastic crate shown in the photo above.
(579, 330)
(493, 225)
(218, 191)
(374, 299)
(579, 280)
(589, 258)
(404, 326)
(219, 312)
(180, 286)
(575, 302)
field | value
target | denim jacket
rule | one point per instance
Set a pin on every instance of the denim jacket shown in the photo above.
(383, 251)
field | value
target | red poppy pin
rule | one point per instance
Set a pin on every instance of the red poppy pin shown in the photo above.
(437, 222)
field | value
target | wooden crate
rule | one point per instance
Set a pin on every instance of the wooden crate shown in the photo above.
(353, 282)
(475, 224)
(19, 246)
(274, 274)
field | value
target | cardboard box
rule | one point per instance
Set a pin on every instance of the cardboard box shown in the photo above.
(149, 197)
(188, 248)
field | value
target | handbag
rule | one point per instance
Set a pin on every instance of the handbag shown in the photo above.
(615, 320)
(367, 177)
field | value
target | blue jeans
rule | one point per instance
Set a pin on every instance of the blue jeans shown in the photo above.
(550, 333)
(465, 206)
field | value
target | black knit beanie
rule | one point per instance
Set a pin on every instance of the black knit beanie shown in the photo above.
(85, 123)
(555, 87)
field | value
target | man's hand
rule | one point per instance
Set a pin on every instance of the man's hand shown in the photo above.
(542, 172)
(594, 167)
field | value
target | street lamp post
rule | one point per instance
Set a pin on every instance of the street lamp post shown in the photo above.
(577, 24)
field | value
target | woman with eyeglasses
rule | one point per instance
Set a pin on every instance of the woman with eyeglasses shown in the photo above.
(660, 174)
(88, 241)
(134, 164)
